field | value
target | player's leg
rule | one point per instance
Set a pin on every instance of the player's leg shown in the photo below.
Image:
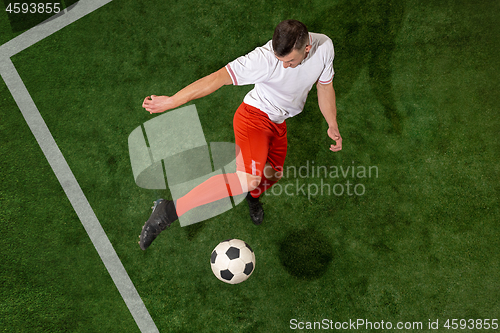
(165, 212)
(251, 154)
(250, 163)
(216, 188)
(273, 170)
(270, 177)
(252, 135)
(275, 152)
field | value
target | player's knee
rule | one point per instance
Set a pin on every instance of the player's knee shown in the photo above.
(253, 182)
(248, 182)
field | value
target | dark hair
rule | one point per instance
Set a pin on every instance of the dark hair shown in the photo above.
(289, 35)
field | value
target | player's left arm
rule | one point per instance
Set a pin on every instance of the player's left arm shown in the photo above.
(328, 107)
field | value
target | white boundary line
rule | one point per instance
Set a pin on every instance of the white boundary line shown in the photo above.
(57, 161)
(50, 26)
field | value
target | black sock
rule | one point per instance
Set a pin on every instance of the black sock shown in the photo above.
(171, 211)
(252, 199)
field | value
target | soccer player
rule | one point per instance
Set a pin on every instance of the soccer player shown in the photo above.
(283, 72)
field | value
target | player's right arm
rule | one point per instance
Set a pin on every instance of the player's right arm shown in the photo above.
(203, 87)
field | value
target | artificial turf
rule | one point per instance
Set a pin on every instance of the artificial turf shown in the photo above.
(417, 96)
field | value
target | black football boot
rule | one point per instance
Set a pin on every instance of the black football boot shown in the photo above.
(161, 218)
(255, 207)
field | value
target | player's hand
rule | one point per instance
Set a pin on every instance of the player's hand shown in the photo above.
(157, 104)
(333, 133)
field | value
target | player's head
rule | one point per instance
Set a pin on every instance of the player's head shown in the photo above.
(291, 42)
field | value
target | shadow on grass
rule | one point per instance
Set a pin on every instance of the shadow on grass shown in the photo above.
(305, 254)
(193, 230)
(364, 35)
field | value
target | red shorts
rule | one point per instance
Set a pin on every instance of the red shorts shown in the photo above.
(258, 140)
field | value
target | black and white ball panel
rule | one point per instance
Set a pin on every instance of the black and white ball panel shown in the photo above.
(232, 261)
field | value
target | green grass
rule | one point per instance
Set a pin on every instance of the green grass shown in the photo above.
(417, 97)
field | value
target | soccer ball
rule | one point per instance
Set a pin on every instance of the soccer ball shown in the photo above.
(232, 261)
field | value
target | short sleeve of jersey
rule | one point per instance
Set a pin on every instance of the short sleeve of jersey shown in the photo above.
(327, 53)
(251, 68)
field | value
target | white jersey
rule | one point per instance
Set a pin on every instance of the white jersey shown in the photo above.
(282, 92)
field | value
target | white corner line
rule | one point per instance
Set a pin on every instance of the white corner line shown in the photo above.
(61, 168)
(55, 23)
(76, 197)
